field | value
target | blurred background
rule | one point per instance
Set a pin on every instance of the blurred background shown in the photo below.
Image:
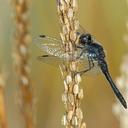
(106, 20)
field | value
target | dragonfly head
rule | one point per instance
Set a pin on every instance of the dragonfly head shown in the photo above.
(85, 39)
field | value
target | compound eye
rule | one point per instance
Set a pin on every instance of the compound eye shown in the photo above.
(85, 39)
(82, 39)
(88, 37)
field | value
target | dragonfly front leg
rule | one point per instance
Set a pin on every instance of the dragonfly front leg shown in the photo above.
(91, 65)
(78, 57)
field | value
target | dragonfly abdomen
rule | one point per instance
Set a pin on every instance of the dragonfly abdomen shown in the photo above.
(104, 68)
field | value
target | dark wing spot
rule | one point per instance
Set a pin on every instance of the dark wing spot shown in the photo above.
(42, 36)
(45, 56)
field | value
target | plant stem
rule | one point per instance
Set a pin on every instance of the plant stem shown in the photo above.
(21, 60)
(73, 116)
(3, 118)
(122, 83)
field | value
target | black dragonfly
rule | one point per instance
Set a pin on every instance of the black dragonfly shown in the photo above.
(88, 49)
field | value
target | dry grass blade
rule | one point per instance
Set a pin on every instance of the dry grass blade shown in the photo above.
(122, 83)
(73, 116)
(21, 60)
(3, 118)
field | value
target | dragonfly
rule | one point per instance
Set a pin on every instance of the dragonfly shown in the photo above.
(89, 49)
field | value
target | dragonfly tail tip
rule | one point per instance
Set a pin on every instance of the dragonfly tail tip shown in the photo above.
(125, 106)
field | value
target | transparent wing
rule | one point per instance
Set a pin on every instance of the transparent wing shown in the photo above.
(83, 63)
(51, 60)
(51, 46)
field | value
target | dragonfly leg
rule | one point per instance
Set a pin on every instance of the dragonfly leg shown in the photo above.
(80, 55)
(91, 65)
